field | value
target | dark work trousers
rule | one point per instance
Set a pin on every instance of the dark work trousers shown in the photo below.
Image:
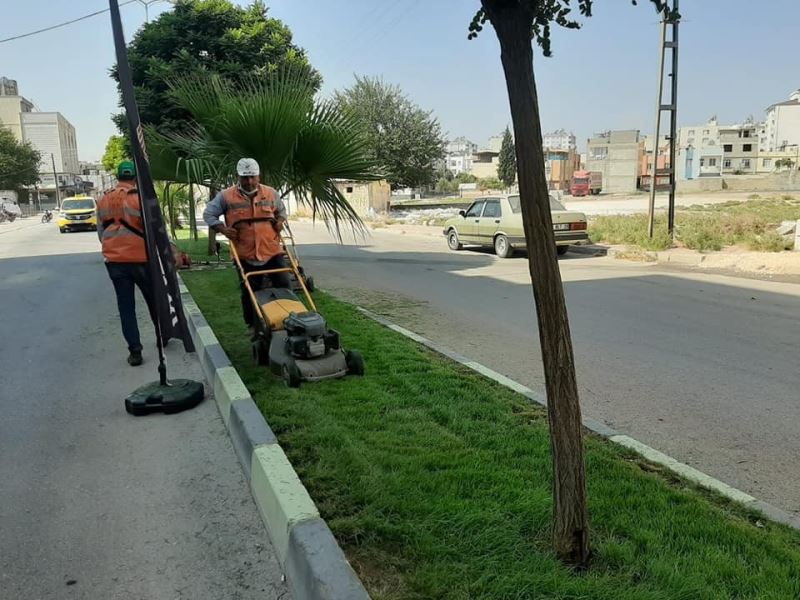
(126, 277)
(257, 282)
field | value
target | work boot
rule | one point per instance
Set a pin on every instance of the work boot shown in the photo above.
(135, 358)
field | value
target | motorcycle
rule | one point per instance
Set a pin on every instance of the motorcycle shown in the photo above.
(47, 216)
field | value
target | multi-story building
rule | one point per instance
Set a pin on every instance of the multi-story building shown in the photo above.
(739, 147)
(49, 133)
(461, 145)
(458, 155)
(559, 140)
(782, 125)
(616, 155)
(484, 164)
(54, 137)
(96, 179)
(12, 105)
(458, 163)
(495, 143)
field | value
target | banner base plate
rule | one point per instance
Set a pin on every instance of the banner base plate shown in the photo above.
(178, 395)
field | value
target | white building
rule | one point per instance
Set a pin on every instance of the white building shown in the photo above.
(495, 143)
(459, 163)
(458, 155)
(782, 127)
(461, 145)
(559, 140)
(54, 137)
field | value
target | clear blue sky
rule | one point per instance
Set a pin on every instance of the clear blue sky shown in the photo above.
(736, 59)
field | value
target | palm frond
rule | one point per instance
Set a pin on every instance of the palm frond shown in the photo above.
(302, 145)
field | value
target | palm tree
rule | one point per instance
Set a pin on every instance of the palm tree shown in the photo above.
(303, 145)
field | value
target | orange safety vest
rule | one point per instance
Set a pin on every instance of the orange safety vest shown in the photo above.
(119, 210)
(257, 239)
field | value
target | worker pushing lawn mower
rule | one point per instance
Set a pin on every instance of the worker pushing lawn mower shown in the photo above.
(288, 335)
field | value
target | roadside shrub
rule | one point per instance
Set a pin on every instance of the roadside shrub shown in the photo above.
(769, 241)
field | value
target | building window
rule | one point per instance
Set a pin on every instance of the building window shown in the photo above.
(766, 163)
(705, 141)
(727, 147)
(702, 162)
(599, 152)
(726, 164)
(745, 163)
(691, 132)
(705, 131)
(712, 162)
(747, 147)
(349, 189)
(746, 133)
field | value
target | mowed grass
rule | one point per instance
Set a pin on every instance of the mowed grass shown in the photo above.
(198, 249)
(437, 483)
(750, 224)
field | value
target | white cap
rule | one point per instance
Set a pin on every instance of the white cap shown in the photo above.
(247, 167)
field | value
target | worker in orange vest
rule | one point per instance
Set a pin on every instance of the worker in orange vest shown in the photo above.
(254, 217)
(121, 231)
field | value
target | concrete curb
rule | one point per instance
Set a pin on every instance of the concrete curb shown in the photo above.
(651, 454)
(314, 564)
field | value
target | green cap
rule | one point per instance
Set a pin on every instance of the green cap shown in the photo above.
(126, 169)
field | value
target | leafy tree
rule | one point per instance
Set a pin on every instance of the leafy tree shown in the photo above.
(446, 186)
(465, 177)
(403, 138)
(19, 162)
(210, 36)
(490, 183)
(784, 163)
(516, 23)
(507, 161)
(301, 144)
(116, 152)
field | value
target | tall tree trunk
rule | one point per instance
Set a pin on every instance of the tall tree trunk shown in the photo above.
(512, 23)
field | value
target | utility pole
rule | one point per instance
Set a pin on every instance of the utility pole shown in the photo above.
(670, 19)
(55, 180)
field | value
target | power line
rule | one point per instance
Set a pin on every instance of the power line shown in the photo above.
(64, 24)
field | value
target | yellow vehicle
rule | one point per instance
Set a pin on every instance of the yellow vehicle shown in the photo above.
(78, 212)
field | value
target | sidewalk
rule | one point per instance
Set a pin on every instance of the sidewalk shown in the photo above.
(96, 503)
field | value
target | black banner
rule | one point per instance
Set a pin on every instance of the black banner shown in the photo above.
(161, 262)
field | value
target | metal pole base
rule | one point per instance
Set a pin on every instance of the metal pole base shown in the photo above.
(178, 395)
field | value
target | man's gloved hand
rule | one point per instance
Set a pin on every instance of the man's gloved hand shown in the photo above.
(229, 232)
(278, 225)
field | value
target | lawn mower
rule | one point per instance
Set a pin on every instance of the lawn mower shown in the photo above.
(291, 250)
(291, 337)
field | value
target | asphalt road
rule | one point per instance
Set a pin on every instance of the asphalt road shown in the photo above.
(95, 503)
(702, 367)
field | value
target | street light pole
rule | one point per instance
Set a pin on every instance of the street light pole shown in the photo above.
(55, 181)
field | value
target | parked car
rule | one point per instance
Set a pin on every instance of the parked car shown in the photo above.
(496, 222)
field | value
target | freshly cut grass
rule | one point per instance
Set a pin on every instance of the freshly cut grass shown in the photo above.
(198, 250)
(437, 483)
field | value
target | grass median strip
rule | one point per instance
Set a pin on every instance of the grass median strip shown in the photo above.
(436, 483)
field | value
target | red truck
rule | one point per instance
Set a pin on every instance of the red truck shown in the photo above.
(586, 182)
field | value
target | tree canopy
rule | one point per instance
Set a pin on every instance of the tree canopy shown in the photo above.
(19, 162)
(403, 138)
(302, 145)
(210, 36)
(507, 161)
(116, 152)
